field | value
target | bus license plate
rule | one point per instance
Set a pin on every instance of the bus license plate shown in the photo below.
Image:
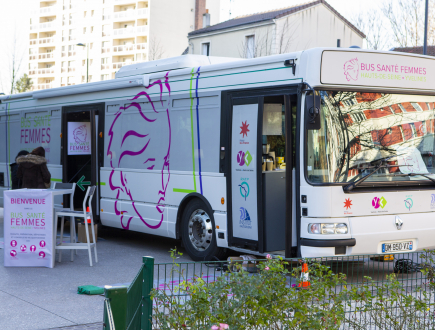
(397, 246)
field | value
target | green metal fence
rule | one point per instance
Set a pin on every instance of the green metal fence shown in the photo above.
(132, 307)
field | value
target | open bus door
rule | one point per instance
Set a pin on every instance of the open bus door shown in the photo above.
(261, 183)
(81, 151)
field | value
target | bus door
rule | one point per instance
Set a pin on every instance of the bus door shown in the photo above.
(260, 170)
(81, 151)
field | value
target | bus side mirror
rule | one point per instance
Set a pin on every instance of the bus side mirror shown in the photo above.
(312, 112)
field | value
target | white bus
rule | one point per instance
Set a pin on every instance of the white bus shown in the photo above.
(323, 152)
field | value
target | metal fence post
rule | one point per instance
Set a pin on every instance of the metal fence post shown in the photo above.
(118, 301)
(147, 286)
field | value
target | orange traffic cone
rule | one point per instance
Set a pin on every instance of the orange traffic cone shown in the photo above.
(305, 277)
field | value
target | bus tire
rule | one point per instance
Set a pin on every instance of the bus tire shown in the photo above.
(198, 232)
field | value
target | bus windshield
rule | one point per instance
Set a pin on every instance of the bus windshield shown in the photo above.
(360, 133)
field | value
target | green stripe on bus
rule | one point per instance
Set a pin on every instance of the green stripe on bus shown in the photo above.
(187, 191)
(102, 183)
(56, 180)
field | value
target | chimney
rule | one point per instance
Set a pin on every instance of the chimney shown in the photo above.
(199, 12)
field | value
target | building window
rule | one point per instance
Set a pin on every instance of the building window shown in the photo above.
(206, 49)
(105, 77)
(250, 46)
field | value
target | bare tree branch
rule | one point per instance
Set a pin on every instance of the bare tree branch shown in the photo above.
(156, 49)
(371, 23)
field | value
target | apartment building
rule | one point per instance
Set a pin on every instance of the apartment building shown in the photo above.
(75, 41)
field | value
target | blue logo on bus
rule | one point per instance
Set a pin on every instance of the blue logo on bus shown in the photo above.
(245, 219)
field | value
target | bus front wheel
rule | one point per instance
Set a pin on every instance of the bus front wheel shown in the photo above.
(198, 232)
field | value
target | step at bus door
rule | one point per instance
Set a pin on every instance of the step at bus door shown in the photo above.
(80, 156)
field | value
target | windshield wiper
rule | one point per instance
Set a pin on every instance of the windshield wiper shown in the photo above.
(352, 185)
(416, 174)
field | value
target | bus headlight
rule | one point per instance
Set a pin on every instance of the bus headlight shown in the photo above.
(327, 228)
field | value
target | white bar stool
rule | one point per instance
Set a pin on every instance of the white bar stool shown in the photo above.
(73, 214)
(72, 228)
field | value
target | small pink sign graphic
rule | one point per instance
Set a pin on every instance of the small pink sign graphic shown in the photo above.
(42, 254)
(13, 243)
(32, 248)
(241, 158)
(13, 253)
(23, 248)
(351, 69)
(42, 244)
(80, 134)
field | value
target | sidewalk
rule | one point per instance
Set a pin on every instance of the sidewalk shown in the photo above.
(44, 298)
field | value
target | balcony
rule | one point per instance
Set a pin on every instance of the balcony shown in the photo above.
(124, 14)
(142, 12)
(123, 48)
(130, 30)
(105, 50)
(142, 29)
(44, 56)
(142, 47)
(72, 53)
(47, 10)
(46, 71)
(124, 31)
(118, 65)
(44, 86)
(125, 2)
(33, 42)
(32, 72)
(63, 70)
(48, 25)
(105, 66)
(71, 69)
(64, 54)
(127, 48)
(32, 57)
(46, 40)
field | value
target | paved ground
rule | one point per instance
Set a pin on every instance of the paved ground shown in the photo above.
(44, 298)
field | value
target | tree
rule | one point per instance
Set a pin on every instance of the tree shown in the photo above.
(15, 60)
(24, 84)
(269, 40)
(406, 19)
(373, 26)
(156, 50)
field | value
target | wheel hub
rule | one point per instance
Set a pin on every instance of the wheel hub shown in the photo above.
(200, 230)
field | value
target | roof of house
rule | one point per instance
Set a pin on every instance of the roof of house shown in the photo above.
(270, 15)
(415, 50)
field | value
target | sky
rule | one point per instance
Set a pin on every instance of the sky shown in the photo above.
(16, 13)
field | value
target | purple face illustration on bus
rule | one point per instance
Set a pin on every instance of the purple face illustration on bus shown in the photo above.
(42, 254)
(23, 248)
(32, 248)
(42, 243)
(351, 69)
(13, 253)
(140, 138)
(80, 134)
(13, 243)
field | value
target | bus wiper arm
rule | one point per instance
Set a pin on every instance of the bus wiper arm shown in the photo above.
(422, 174)
(352, 185)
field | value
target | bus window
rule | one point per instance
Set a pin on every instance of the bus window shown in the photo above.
(360, 131)
(274, 132)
